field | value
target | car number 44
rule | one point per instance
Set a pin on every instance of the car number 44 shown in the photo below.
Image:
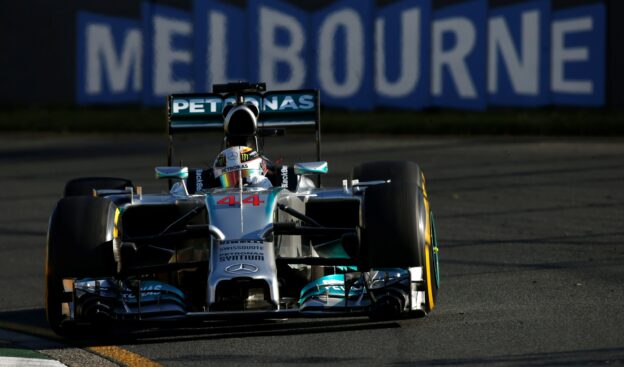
(231, 200)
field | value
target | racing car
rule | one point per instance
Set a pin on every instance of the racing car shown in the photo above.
(245, 237)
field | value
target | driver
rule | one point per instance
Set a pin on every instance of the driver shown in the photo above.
(240, 162)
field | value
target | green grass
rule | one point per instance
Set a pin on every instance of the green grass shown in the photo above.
(546, 121)
(21, 353)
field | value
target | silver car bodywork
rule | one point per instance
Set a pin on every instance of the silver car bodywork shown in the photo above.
(202, 251)
(243, 248)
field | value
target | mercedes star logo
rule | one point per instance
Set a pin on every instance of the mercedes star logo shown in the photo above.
(241, 268)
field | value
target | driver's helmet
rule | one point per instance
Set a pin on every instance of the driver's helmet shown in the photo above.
(238, 162)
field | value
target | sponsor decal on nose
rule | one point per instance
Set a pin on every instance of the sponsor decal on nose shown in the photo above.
(241, 269)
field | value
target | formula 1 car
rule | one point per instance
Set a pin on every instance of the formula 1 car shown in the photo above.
(245, 237)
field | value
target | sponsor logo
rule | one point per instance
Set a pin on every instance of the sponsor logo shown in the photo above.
(241, 269)
(199, 181)
(241, 256)
(230, 242)
(235, 168)
(241, 252)
(151, 290)
(273, 103)
(284, 172)
(231, 155)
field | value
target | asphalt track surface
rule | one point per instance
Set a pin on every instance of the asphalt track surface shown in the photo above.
(531, 234)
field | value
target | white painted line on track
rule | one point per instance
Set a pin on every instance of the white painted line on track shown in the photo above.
(29, 362)
(55, 349)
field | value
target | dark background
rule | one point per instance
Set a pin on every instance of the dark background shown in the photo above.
(38, 60)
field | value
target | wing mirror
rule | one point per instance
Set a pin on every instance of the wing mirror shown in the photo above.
(311, 168)
(168, 172)
(176, 173)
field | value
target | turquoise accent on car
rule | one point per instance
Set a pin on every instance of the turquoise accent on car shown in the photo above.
(332, 249)
(172, 172)
(347, 268)
(154, 291)
(210, 204)
(332, 285)
(310, 168)
(271, 200)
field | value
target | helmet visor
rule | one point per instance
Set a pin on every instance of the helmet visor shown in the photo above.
(230, 179)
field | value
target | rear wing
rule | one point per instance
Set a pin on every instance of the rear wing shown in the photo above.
(278, 109)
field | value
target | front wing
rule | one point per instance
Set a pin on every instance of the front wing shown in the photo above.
(388, 292)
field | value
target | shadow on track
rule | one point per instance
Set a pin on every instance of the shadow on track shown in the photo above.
(33, 322)
(592, 357)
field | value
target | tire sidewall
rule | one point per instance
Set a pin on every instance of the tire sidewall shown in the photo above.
(393, 215)
(78, 245)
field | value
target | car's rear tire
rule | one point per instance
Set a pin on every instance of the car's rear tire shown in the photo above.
(85, 185)
(79, 245)
(397, 229)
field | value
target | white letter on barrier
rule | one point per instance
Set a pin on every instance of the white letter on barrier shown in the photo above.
(165, 56)
(523, 70)
(352, 24)
(271, 53)
(562, 55)
(410, 50)
(217, 52)
(454, 58)
(101, 56)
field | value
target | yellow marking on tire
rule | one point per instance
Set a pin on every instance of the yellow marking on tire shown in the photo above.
(428, 244)
(115, 224)
(123, 356)
(428, 224)
(430, 300)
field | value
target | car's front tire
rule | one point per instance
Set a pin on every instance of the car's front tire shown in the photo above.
(79, 245)
(397, 229)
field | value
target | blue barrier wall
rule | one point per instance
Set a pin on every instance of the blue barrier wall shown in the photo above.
(361, 54)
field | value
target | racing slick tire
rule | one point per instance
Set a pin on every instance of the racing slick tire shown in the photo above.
(405, 171)
(85, 185)
(397, 229)
(79, 244)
